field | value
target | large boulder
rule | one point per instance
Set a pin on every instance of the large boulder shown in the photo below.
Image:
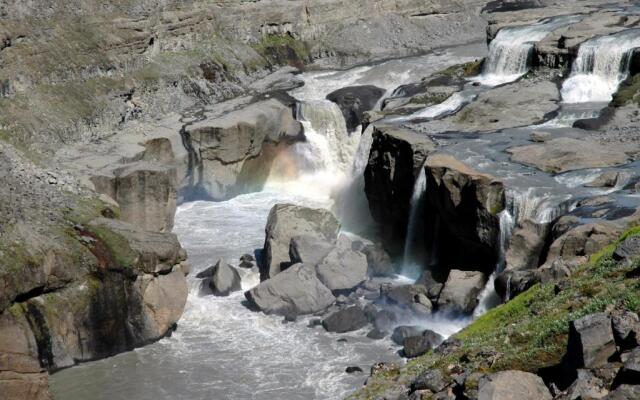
(461, 291)
(287, 221)
(346, 320)
(513, 385)
(467, 204)
(234, 153)
(379, 261)
(295, 291)
(354, 101)
(395, 160)
(400, 333)
(591, 342)
(342, 269)
(310, 250)
(415, 346)
(224, 279)
(568, 154)
(626, 330)
(574, 242)
(628, 251)
(629, 374)
(509, 283)
(526, 245)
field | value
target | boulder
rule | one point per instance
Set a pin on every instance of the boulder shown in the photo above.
(224, 279)
(624, 392)
(376, 334)
(467, 204)
(395, 158)
(406, 295)
(342, 269)
(509, 284)
(354, 101)
(586, 386)
(526, 245)
(402, 332)
(582, 240)
(295, 291)
(287, 221)
(247, 261)
(554, 271)
(353, 370)
(384, 320)
(607, 179)
(415, 346)
(568, 154)
(630, 373)
(461, 291)
(513, 385)
(628, 251)
(540, 136)
(591, 342)
(310, 250)
(346, 320)
(378, 260)
(431, 380)
(626, 330)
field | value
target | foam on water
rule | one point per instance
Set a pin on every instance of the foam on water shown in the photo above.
(602, 64)
(410, 264)
(510, 51)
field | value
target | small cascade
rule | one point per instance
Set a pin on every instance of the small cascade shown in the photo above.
(602, 64)
(535, 204)
(510, 51)
(450, 106)
(322, 162)
(411, 265)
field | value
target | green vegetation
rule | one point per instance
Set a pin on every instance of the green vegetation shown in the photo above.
(463, 70)
(429, 98)
(530, 332)
(283, 49)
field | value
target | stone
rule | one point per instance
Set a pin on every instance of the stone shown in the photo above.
(628, 251)
(376, 334)
(379, 261)
(354, 101)
(568, 154)
(554, 271)
(526, 245)
(461, 291)
(353, 370)
(287, 221)
(586, 386)
(513, 385)
(384, 320)
(415, 346)
(540, 136)
(630, 373)
(509, 284)
(591, 341)
(582, 240)
(225, 279)
(342, 269)
(295, 291)
(310, 250)
(400, 333)
(432, 380)
(607, 179)
(346, 320)
(624, 392)
(247, 261)
(626, 330)
(405, 295)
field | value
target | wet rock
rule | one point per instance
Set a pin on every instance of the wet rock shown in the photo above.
(461, 290)
(432, 380)
(353, 370)
(347, 320)
(526, 245)
(384, 320)
(405, 295)
(467, 204)
(287, 221)
(379, 261)
(247, 261)
(354, 101)
(402, 332)
(509, 284)
(310, 250)
(295, 291)
(540, 136)
(394, 161)
(626, 330)
(376, 334)
(415, 346)
(512, 385)
(224, 279)
(342, 269)
(607, 179)
(591, 341)
(567, 154)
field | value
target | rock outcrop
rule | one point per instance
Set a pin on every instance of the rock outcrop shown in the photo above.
(507, 385)
(354, 101)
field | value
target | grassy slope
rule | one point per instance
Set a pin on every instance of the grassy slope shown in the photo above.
(529, 332)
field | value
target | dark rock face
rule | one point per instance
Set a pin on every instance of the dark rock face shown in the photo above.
(295, 291)
(630, 373)
(403, 332)
(347, 320)
(415, 346)
(509, 283)
(462, 210)
(354, 101)
(394, 163)
(591, 341)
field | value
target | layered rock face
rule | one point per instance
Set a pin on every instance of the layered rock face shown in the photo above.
(78, 283)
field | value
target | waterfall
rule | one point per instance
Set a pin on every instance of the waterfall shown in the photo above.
(510, 51)
(321, 163)
(410, 264)
(602, 64)
(539, 207)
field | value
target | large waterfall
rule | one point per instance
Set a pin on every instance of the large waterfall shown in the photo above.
(602, 64)
(510, 51)
(411, 266)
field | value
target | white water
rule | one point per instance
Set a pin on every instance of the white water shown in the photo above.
(602, 64)
(451, 105)
(510, 51)
(410, 266)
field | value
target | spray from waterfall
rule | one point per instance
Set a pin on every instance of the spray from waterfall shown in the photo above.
(511, 50)
(602, 64)
(411, 266)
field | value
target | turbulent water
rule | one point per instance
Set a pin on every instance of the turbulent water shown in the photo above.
(602, 64)
(510, 51)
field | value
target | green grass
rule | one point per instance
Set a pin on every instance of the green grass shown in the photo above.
(530, 332)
